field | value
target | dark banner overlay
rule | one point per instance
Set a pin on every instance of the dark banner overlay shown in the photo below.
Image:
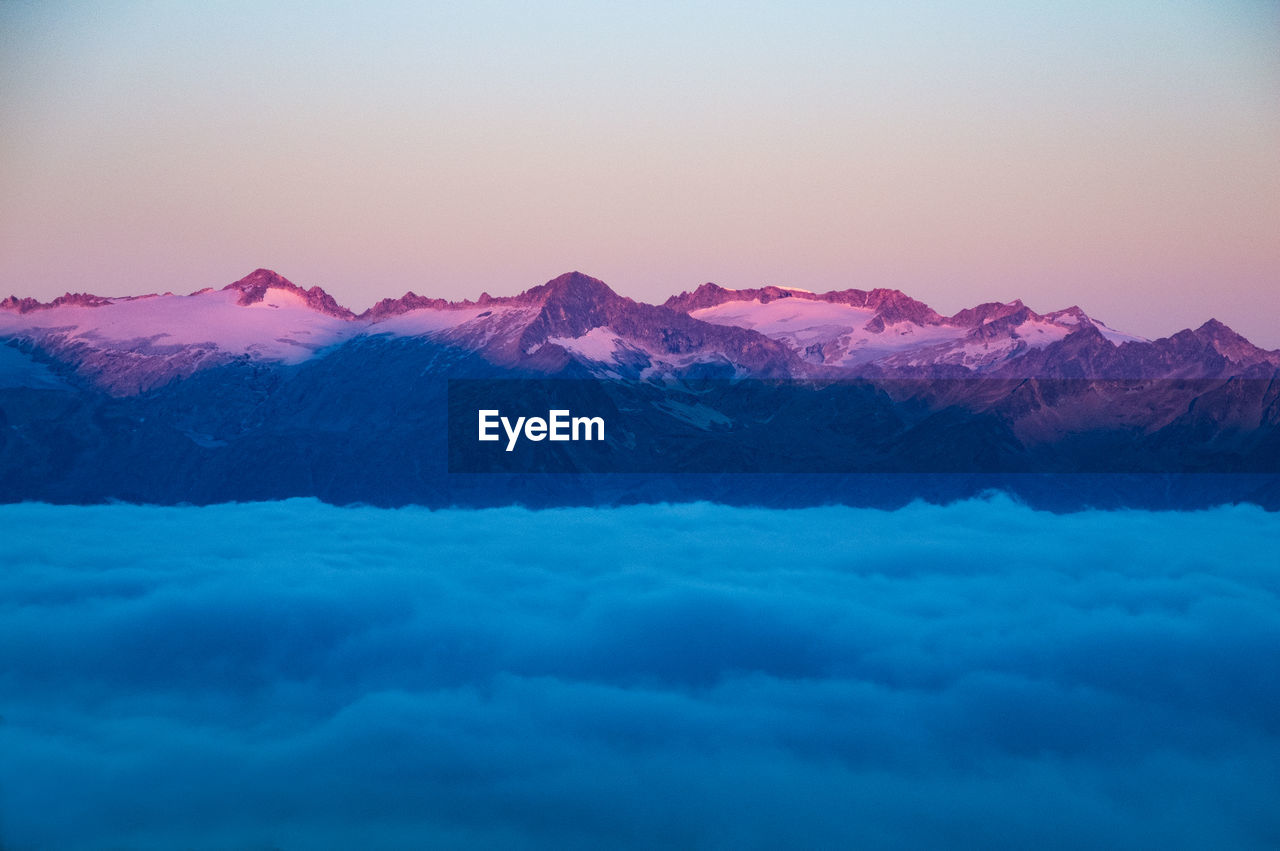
(891, 426)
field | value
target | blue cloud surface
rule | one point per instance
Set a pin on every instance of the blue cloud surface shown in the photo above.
(294, 675)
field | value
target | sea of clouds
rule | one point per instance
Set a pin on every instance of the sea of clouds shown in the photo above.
(295, 675)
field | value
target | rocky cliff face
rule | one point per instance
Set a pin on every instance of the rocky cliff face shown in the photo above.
(576, 322)
(264, 389)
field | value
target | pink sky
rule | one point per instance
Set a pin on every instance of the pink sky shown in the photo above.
(1117, 156)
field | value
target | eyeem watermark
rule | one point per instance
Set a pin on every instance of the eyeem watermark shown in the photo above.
(558, 425)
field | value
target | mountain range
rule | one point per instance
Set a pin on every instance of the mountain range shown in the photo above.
(577, 324)
(264, 389)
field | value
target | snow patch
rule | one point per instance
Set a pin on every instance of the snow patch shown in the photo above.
(275, 297)
(281, 328)
(831, 332)
(1038, 333)
(430, 320)
(1117, 337)
(598, 344)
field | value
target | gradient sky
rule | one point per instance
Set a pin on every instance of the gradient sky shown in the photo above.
(1119, 156)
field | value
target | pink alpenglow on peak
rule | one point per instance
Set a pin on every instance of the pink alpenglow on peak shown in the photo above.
(129, 345)
(253, 289)
(576, 322)
(26, 305)
(853, 328)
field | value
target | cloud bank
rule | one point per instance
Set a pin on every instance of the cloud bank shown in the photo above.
(294, 675)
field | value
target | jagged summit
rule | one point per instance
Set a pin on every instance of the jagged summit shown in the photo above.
(1220, 331)
(260, 280)
(574, 284)
(26, 305)
(254, 287)
(986, 312)
(1232, 345)
(710, 295)
(576, 321)
(388, 307)
(572, 289)
(893, 305)
(574, 301)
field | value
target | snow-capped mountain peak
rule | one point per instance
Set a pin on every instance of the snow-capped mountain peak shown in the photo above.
(885, 329)
(578, 323)
(128, 345)
(255, 288)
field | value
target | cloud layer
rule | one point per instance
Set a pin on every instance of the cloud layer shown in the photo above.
(295, 675)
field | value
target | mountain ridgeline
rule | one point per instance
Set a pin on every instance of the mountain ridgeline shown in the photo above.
(265, 390)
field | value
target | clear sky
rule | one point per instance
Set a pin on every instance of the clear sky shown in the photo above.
(1123, 156)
